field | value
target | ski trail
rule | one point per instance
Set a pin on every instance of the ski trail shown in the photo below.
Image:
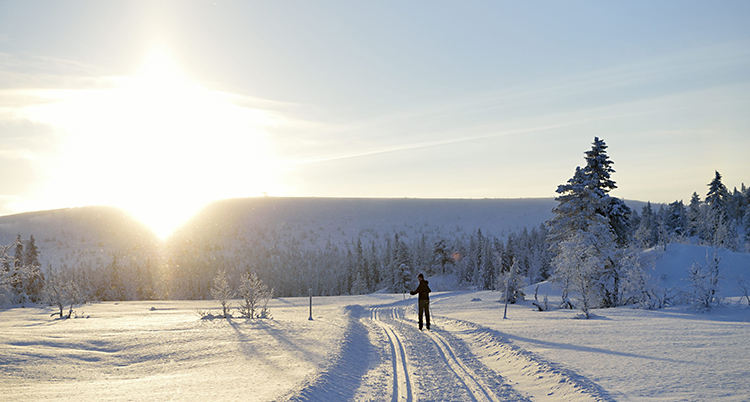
(444, 368)
(536, 377)
(478, 391)
(401, 383)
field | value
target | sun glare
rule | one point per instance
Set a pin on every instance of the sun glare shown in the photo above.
(157, 145)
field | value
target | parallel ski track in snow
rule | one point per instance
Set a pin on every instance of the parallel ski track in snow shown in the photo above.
(479, 384)
(479, 391)
(402, 389)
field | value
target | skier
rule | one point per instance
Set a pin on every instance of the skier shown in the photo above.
(424, 300)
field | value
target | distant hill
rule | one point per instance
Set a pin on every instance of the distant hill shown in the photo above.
(321, 220)
(73, 236)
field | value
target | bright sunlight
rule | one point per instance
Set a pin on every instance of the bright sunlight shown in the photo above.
(155, 144)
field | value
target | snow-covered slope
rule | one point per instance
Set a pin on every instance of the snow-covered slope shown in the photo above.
(669, 268)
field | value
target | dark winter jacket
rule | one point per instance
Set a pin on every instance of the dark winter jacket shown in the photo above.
(423, 290)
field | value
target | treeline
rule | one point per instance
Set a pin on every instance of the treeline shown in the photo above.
(21, 279)
(292, 267)
(590, 245)
(722, 219)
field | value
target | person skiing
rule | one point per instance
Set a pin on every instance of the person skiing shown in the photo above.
(424, 300)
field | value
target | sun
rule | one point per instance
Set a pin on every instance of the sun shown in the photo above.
(157, 144)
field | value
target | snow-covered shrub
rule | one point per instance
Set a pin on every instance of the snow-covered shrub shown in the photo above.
(60, 291)
(264, 311)
(511, 284)
(544, 305)
(704, 283)
(744, 285)
(222, 291)
(255, 296)
(637, 287)
(249, 292)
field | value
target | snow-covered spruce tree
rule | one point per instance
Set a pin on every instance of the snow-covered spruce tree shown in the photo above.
(676, 221)
(222, 291)
(599, 169)
(647, 233)
(35, 281)
(404, 275)
(441, 256)
(26, 277)
(6, 287)
(716, 217)
(582, 236)
(694, 217)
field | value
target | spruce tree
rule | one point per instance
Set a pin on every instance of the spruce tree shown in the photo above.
(717, 193)
(583, 223)
(694, 219)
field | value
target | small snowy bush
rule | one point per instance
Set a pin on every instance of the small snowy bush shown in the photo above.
(704, 283)
(222, 291)
(255, 296)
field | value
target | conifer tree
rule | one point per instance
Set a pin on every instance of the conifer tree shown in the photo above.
(582, 233)
(694, 219)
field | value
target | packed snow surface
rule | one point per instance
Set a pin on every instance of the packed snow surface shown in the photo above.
(368, 348)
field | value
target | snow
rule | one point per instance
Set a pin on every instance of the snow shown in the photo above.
(368, 348)
(668, 268)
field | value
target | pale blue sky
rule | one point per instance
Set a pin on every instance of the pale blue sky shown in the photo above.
(365, 99)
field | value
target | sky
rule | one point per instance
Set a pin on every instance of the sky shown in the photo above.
(162, 107)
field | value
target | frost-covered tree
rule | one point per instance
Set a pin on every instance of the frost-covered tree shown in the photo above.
(637, 287)
(599, 169)
(255, 295)
(441, 256)
(582, 236)
(511, 283)
(694, 217)
(222, 291)
(24, 274)
(676, 220)
(61, 290)
(705, 282)
(744, 286)
(6, 281)
(404, 276)
(716, 217)
(581, 263)
(647, 233)
(717, 194)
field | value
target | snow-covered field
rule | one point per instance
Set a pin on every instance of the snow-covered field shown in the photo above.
(369, 348)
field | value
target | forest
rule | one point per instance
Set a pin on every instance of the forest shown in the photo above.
(588, 247)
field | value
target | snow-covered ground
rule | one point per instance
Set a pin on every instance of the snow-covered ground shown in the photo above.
(369, 348)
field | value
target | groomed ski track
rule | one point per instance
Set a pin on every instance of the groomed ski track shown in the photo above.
(384, 357)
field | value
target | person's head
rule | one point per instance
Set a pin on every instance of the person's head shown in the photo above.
(420, 277)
